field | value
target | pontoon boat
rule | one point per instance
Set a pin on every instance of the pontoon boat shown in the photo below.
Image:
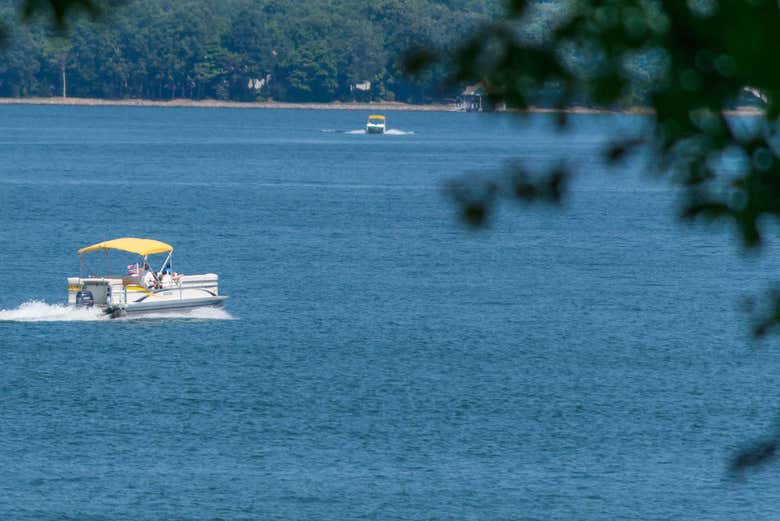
(375, 124)
(142, 289)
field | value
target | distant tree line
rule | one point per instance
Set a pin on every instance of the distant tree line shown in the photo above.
(244, 50)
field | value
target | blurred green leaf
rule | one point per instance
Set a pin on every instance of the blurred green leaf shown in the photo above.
(417, 59)
(58, 9)
(757, 454)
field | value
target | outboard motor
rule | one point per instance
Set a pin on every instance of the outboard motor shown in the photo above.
(84, 298)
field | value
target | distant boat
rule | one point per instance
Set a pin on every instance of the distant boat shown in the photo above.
(142, 289)
(375, 124)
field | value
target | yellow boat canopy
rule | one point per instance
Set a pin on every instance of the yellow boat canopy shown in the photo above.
(376, 116)
(131, 244)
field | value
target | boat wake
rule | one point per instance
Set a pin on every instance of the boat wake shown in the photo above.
(388, 132)
(37, 311)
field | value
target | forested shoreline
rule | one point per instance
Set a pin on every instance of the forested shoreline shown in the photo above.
(239, 50)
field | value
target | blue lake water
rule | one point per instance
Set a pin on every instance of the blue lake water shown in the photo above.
(376, 360)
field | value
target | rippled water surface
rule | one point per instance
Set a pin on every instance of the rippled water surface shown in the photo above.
(376, 359)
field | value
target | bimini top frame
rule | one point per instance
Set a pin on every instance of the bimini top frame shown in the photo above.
(142, 247)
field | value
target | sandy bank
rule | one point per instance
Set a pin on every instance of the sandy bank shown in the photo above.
(94, 102)
(384, 106)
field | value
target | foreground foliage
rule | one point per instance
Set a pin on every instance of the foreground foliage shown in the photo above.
(703, 56)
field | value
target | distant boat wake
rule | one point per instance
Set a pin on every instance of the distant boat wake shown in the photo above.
(37, 311)
(388, 132)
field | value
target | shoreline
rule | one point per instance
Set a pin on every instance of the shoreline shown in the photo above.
(384, 106)
(188, 103)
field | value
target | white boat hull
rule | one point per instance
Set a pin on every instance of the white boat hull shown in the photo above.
(139, 308)
(120, 296)
(375, 129)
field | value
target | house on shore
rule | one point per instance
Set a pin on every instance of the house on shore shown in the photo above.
(361, 91)
(474, 98)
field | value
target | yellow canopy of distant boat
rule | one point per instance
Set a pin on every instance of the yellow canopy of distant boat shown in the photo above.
(376, 116)
(132, 245)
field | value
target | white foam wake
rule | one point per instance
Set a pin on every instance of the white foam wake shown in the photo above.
(388, 132)
(37, 311)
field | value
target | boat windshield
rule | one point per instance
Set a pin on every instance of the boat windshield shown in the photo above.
(376, 121)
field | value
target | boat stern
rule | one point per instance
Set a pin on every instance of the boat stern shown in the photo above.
(74, 286)
(100, 292)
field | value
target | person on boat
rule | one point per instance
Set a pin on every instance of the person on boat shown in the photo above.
(149, 278)
(168, 275)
